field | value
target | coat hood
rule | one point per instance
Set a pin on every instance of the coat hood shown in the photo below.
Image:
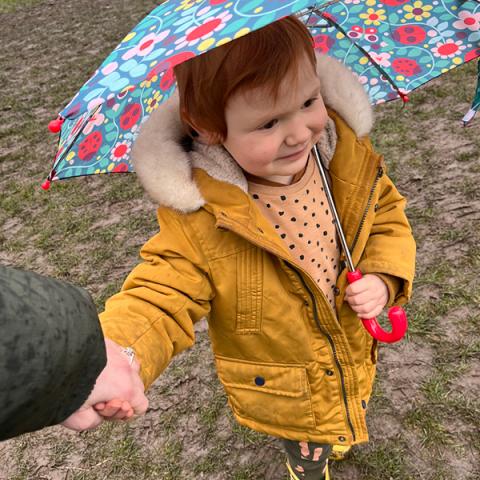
(165, 167)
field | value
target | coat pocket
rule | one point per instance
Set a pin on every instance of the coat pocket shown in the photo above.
(271, 394)
(249, 291)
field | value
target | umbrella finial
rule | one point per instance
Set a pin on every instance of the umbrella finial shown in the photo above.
(405, 98)
(56, 125)
(46, 185)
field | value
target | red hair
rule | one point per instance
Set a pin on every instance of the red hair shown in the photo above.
(261, 59)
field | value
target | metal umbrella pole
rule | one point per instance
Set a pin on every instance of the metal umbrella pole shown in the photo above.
(396, 315)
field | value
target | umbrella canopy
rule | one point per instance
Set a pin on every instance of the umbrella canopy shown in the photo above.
(393, 46)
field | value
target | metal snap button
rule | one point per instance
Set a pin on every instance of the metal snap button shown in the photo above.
(259, 381)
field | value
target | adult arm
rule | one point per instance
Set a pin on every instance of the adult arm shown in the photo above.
(51, 351)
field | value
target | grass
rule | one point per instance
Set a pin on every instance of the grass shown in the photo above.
(89, 231)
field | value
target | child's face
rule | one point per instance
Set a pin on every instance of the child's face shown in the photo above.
(272, 140)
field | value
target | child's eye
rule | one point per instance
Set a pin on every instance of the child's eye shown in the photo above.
(309, 102)
(269, 125)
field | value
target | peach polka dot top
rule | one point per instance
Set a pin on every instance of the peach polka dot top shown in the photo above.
(301, 215)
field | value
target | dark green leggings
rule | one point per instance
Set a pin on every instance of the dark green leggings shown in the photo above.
(307, 459)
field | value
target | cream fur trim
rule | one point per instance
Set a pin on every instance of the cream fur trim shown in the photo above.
(165, 169)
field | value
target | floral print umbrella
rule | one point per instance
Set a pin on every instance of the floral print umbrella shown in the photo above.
(394, 46)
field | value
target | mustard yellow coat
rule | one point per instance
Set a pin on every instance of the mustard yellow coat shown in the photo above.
(290, 365)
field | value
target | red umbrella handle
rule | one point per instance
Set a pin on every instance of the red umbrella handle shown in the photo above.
(396, 315)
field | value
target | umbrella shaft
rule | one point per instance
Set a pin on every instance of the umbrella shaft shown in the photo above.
(333, 209)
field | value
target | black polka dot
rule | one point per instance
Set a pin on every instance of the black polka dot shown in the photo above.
(302, 257)
(300, 235)
(308, 191)
(268, 205)
(309, 242)
(305, 207)
(326, 211)
(334, 267)
(281, 213)
(325, 233)
(283, 235)
(313, 260)
(277, 226)
(296, 200)
(313, 214)
(305, 224)
(293, 219)
(314, 182)
(321, 203)
(328, 280)
(318, 243)
(331, 241)
(255, 196)
(318, 225)
(321, 188)
(283, 197)
(321, 249)
(318, 265)
(291, 247)
(325, 270)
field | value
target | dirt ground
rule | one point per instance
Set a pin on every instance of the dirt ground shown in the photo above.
(424, 416)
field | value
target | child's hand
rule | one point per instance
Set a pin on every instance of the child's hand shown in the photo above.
(119, 379)
(367, 296)
(115, 409)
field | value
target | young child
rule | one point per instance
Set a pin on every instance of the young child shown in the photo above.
(246, 239)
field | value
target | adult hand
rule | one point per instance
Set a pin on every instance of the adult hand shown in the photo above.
(367, 296)
(118, 380)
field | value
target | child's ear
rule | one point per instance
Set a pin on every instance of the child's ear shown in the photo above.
(206, 137)
(203, 136)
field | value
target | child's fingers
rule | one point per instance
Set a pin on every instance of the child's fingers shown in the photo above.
(365, 309)
(359, 299)
(357, 287)
(99, 406)
(111, 408)
(372, 313)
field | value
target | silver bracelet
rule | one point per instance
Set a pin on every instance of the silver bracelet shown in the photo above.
(130, 353)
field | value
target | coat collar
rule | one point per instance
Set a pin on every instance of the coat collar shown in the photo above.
(165, 167)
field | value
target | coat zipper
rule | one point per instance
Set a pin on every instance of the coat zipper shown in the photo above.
(369, 201)
(332, 345)
(315, 315)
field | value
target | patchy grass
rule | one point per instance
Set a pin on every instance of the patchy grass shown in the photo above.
(424, 412)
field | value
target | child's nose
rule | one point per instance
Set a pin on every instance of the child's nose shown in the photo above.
(298, 134)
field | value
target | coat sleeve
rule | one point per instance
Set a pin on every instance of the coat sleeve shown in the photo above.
(51, 351)
(162, 298)
(390, 248)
